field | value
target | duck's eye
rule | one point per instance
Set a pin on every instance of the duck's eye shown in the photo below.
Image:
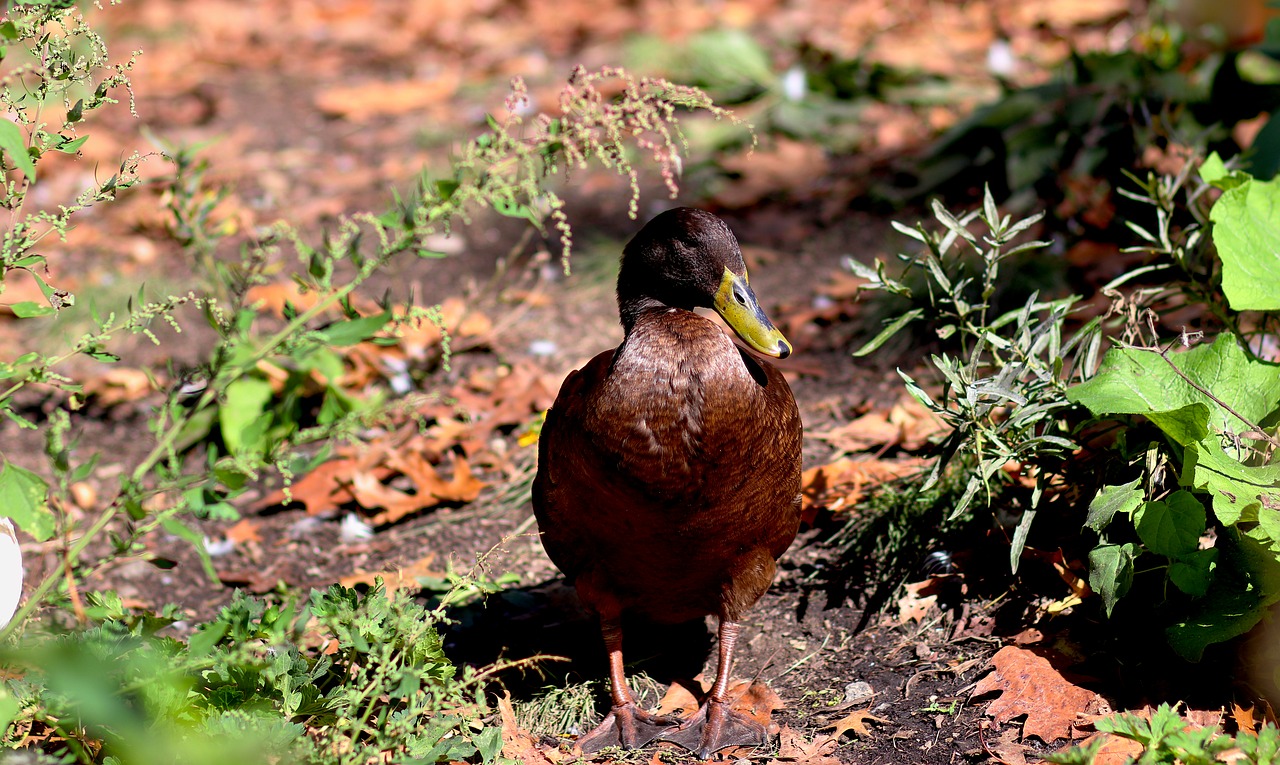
(738, 296)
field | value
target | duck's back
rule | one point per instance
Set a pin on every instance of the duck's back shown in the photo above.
(669, 472)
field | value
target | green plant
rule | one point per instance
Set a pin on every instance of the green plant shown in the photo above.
(1166, 738)
(1004, 393)
(1201, 492)
(340, 679)
(1191, 489)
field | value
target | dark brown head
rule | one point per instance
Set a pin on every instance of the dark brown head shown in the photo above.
(687, 258)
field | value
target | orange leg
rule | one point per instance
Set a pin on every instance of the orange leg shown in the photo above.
(715, 726)
(626, 725)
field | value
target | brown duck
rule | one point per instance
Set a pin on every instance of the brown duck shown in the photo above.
(669, 468)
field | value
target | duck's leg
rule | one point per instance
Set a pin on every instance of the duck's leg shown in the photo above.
(626, 725)
(715, 725)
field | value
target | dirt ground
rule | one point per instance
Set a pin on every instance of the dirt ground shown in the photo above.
(289, 94)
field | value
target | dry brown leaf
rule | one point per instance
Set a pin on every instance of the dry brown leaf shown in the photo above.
(1030, 686)
(871, 430)
(795, 749)
(118, 385)
(680, 698)
(855, 721)
(519, 744)
(921, 598)
(245, 530)
(430, 488)
(1245, 719)
(274, 297)
(398, 579)
(328, 486)
(373, 99)
(753, 699)
(841, 484)
(788, 167)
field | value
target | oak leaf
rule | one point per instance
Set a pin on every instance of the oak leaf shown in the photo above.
(1030, 686)
(855, 721)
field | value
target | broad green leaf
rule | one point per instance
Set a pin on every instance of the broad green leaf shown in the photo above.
(1246, 230)
(24, 498)
(353, 331)
(489, 742)
(1171, 527)
(1136, 381)
(28, 309)
(242, 412)
(1123, 498)
(1235, 488)
(1192, 573)
(1233, 604)
(1213, 168)
(14, 146)
(1111, 572)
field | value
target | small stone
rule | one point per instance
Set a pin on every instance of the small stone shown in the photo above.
(858, 692)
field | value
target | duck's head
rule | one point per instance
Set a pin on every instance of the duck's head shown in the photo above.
(687, 258)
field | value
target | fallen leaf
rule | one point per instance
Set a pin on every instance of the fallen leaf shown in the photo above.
(921, 598)
(245, 530)
(118, 385)
(795, 749)
(517, 743)
(373, 99)
(1030, 686)
(855, 721)
(273, 297)
(841, 484)
(1245, 719)
(788, 167)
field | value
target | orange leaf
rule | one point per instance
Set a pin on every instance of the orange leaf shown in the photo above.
(246, 530)
(1030, 686)
(118, 385)
(517, 743)
(372, 99)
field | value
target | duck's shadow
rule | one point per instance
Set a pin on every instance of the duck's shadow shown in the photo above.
(547, 620)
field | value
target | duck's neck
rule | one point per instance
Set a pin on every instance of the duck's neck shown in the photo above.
(632, 307)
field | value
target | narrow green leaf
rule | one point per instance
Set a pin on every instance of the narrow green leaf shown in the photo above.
(346, 333)
(181, 530)
(891, 329)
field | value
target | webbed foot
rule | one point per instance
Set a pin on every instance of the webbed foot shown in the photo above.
(627, 726)
(716, 726)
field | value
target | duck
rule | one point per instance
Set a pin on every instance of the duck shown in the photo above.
(668, 480)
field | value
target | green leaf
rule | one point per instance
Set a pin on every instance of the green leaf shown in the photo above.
(241, 415)
(1171, 527)
(1237, 490)
(489, 742)
(1192, 573)
(354, 331)
(889, 331)
(1138, 381)
(72, 146)
(1111, 572)
(1123, 498)
(1233, 604)
(28, 309)
(1246, 230)
(1213, 168)
(181, 530)
(14, 145)
(24, 497)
